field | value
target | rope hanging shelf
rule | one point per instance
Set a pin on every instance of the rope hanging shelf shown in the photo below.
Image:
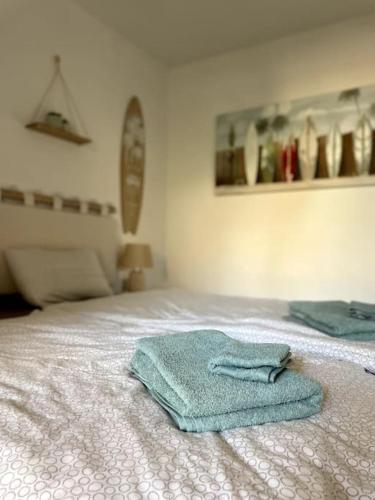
(53, 123)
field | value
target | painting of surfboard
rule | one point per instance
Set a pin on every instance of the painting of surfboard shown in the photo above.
(289, 160)
(251, 155)
(363, 145)
(132, 166)
(334, 151)
(308, 150)
(333, 136)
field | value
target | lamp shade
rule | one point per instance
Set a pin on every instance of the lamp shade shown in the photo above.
(136, 256)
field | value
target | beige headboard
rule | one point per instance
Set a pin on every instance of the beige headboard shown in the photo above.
(22, 226)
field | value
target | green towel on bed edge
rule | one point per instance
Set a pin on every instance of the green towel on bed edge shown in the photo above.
(362, 310)
(174, 368)
(333, 318)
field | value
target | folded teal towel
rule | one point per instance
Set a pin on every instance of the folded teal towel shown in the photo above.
(362, 310)
(174, 370)
(256, 362)
(333, 318)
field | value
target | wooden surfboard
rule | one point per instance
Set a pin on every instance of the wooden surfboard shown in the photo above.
(251, 155)
(132, 166)
(308, 150)
(363, 145)
(334, 151)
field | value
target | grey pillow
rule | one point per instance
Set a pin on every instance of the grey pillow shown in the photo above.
(48, 276)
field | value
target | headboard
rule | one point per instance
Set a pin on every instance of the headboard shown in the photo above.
(22, 226)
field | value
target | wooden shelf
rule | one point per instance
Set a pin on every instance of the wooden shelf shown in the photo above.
(274, 187)
(60, 133)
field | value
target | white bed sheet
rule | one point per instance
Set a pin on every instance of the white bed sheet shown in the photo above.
(75, 424)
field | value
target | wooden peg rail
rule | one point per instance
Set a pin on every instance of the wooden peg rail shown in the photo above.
(39, 200)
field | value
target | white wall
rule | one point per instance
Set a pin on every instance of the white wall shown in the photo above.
(311, 244)
(103, 71)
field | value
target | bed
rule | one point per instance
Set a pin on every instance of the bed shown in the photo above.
(74, 422)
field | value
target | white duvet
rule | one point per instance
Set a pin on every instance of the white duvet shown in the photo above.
(74, 424)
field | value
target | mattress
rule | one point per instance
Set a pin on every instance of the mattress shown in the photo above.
(74, 423)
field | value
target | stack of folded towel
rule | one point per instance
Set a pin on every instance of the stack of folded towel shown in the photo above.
(362, 310)
(207, 381)
(255, 362)
(336, 318)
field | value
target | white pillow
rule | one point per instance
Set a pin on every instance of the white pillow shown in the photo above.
(47, 276)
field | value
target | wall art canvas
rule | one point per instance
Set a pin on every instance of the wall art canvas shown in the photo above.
(132, 166)
(312, 142)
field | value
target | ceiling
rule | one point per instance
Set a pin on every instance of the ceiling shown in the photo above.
(179, 31)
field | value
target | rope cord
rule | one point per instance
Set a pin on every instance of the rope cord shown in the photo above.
(44, 96)
(71, 104)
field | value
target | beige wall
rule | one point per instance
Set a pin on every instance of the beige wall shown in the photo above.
(305, 244)
(311, 244)
(103, 71)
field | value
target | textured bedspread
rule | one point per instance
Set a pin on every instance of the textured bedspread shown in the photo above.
(75, 424)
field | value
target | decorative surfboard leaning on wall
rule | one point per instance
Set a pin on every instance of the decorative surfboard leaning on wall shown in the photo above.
(315, 142)
(132, 166)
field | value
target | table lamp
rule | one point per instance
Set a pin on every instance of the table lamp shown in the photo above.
(136, 257)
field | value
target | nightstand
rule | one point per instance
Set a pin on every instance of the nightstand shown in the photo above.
(13, 306)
